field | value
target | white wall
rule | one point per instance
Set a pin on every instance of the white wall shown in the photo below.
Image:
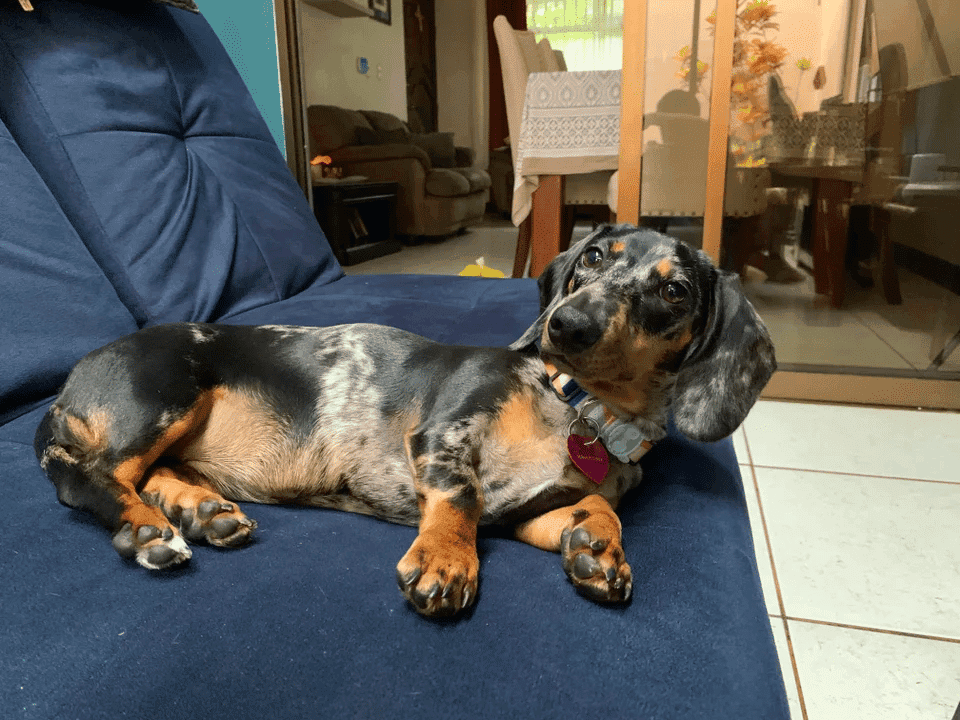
(331, 46)
(462, 74)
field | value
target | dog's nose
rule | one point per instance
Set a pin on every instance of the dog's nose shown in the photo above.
(572, 331)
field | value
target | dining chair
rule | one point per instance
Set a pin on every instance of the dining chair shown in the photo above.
(520, 55)
(674, 179)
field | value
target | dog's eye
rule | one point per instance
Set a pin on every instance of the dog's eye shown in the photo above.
(592, 258)
(673, 292)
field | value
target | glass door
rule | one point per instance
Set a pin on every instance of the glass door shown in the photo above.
(840, 206)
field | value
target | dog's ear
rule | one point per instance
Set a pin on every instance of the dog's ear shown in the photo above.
(726, 367)
(553, 288)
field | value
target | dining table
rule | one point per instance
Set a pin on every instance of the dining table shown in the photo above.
(570, 125)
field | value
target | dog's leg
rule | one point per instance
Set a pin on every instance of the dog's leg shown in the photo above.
(95, 471)
(587, 536)
(438, 574)
(202, 514)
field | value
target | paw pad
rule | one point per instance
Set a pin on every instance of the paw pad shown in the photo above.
(593, 559)
(153, 548)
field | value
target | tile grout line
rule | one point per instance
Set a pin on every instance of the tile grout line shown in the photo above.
(864, 628)
(796, 669)
(882, 339)
(776, 580)
(860, 475)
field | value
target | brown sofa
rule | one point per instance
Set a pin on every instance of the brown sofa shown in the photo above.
(440, 192)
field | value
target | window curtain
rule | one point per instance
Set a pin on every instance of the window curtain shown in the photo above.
(588, 32)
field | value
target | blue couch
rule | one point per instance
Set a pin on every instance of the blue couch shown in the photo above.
(139, 185)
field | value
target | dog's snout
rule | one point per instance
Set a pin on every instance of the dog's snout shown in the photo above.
(571, 330)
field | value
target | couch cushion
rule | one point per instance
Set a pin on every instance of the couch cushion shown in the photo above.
(57, 304)
(169, 173)
(444, 182)
(332, 128)
(478, 179)
(445, 308)
(439, 146)
(309, 615)
(388, 128)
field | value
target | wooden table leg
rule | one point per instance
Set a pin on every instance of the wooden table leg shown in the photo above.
(831, 200)
(547, 215)
(523, 246)
(880, 218)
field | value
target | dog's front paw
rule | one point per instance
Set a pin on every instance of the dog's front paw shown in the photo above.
(154, 548)
(593, 557)
(438, 578)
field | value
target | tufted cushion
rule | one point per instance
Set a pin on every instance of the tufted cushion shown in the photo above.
(332, 128)
(170, 175)
(439, 146)
(57, 304)
(388, 128)
(446, 183)
(478, 179)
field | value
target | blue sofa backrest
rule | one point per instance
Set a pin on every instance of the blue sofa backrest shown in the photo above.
(148, 178)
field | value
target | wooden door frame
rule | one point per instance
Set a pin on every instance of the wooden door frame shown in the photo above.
(292, 94)
(631, 119)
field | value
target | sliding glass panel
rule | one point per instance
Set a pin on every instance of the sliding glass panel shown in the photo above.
(853, 107)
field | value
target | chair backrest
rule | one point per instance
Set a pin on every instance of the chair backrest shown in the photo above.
(520, 55)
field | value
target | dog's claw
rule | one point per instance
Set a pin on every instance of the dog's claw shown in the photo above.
(438, 580)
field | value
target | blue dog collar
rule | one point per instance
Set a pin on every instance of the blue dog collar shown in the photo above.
(622, 439)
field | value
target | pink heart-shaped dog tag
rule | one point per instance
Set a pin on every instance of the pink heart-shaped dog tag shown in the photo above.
(591, 459)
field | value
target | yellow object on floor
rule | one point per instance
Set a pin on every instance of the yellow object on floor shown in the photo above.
(481, 270)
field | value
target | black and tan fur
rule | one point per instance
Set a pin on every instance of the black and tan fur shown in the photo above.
(161, 432)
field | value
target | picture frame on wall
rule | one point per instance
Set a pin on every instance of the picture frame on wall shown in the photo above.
(381, 10)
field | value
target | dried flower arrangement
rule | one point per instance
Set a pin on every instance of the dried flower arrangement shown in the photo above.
(755, 56)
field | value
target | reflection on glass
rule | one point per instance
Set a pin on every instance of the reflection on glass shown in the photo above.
(856, 266)
(842, 205)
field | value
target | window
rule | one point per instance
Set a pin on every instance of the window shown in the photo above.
(589, 33)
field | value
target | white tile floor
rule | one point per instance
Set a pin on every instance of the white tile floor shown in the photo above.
(856, 520)
(855, 514)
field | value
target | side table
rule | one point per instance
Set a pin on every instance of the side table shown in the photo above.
(358, 218)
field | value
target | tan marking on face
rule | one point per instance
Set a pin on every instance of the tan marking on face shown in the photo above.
(665, 267)
(622, 367)
(619, 246)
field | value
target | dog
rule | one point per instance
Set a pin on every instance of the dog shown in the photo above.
(160, 433)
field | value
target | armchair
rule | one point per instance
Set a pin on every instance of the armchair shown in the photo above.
(439, 190)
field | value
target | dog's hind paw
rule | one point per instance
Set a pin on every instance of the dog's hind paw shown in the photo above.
(152, 548)
(219, 523)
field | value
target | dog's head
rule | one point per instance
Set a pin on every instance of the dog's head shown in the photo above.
(644, 322)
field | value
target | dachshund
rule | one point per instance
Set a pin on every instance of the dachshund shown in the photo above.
(160, 433)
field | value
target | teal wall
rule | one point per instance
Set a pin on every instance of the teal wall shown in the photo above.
(246, 29)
